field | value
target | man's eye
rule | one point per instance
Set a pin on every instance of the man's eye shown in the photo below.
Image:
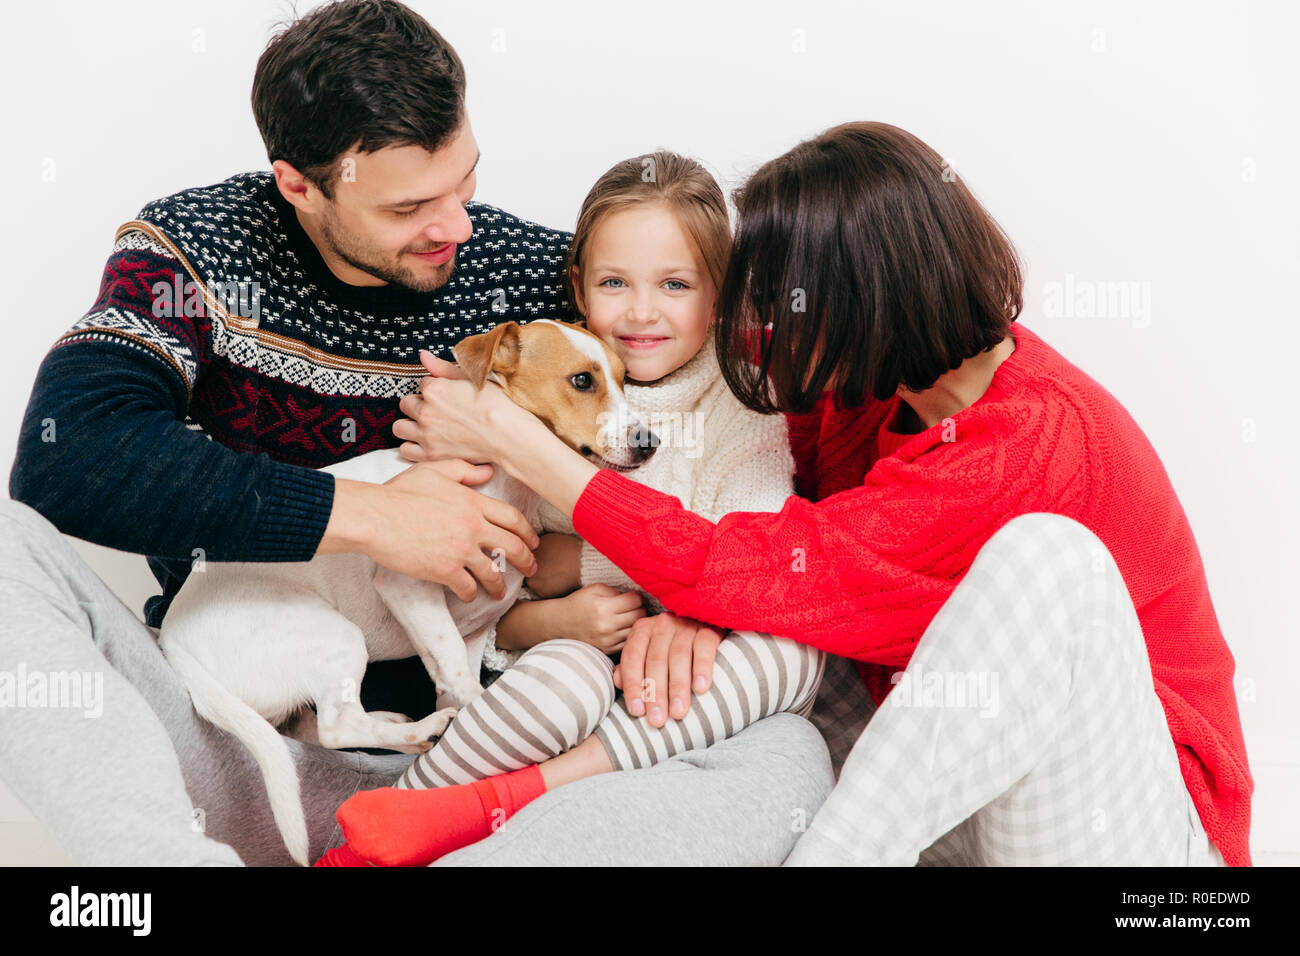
(403, 213)
(583, 381)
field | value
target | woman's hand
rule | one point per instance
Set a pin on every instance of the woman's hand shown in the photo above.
(602, 616)
(559, 565)
(450, 418)
(665, 652)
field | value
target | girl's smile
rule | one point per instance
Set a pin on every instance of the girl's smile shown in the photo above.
(642, 342)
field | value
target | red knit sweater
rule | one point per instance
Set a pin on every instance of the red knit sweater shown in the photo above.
(886, 525)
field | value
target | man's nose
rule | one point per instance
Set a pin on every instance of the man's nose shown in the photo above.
(454, 226)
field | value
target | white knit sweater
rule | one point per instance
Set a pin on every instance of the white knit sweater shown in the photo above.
(715, 456)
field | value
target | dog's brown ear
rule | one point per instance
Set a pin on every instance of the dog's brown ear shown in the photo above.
(495, 351)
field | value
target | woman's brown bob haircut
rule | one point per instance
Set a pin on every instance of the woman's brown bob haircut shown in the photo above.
(875, 266)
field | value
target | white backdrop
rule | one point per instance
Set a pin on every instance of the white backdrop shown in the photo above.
(1152, 145)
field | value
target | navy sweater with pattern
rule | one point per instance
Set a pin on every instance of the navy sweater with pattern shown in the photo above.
(223, 363)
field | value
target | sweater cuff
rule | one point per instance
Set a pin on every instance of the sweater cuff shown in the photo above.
(293, 509)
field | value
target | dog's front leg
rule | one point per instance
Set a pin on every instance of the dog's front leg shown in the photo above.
(421, 608)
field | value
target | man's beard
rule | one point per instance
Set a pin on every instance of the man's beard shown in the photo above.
(368, 259)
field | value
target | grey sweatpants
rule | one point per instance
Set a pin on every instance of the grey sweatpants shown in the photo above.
(99, 739)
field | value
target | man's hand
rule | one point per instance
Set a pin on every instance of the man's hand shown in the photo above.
(671, 655)
(559, 565)
(426, 523)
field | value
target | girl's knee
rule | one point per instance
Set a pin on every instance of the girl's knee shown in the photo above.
(786, 648)
(798, 667)
(569, 676)
(570, 653)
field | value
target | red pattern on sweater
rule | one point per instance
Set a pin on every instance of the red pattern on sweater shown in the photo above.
(886, 525)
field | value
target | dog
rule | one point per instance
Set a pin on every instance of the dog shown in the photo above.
(257, 643)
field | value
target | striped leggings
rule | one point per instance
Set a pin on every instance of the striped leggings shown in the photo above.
(562, 691)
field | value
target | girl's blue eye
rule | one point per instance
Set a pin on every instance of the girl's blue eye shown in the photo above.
(682, 285)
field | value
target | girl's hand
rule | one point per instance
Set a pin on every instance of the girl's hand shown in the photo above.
(559, 565)
(450, 418)
(602, 616)
(664, 658)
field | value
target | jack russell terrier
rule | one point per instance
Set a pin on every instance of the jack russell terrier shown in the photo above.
(257, 643)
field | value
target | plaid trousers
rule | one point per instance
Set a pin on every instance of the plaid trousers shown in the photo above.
(1025, 729)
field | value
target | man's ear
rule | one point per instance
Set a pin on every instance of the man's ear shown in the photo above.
(495, 351)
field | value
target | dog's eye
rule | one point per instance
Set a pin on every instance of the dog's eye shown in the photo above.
(583, 381)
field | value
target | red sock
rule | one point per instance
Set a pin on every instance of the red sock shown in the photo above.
(391, 827)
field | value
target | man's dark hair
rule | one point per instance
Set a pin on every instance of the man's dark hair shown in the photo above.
(875, 266)
(363, 73)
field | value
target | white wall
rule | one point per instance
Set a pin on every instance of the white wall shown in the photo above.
(1153, 143)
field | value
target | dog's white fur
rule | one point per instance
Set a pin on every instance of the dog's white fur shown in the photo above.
(256, 643)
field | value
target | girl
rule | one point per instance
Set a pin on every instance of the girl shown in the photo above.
(985, 530)
(647, 256)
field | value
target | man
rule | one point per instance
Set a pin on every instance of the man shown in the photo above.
(245, 335)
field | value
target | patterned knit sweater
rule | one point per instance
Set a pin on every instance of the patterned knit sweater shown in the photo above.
(715, 457)
(887, 525)
(186, 414)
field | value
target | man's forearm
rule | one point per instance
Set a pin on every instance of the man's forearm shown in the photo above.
(103, 454)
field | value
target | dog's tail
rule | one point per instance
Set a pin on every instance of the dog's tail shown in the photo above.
(222, 708)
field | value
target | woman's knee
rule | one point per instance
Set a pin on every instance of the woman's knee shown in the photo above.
(1043, 584)
(1033, 543)
(1042, 566)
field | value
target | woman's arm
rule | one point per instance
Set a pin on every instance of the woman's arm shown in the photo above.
(859, 574)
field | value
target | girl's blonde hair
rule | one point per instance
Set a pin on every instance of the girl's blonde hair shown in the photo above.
(686, 188)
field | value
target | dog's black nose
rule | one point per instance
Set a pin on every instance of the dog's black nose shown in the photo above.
(643, 441)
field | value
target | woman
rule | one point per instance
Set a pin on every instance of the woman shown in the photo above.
(1060, 690)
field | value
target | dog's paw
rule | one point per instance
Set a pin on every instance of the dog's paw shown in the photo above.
(434, 725)
(464, 691)
(423, 746)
